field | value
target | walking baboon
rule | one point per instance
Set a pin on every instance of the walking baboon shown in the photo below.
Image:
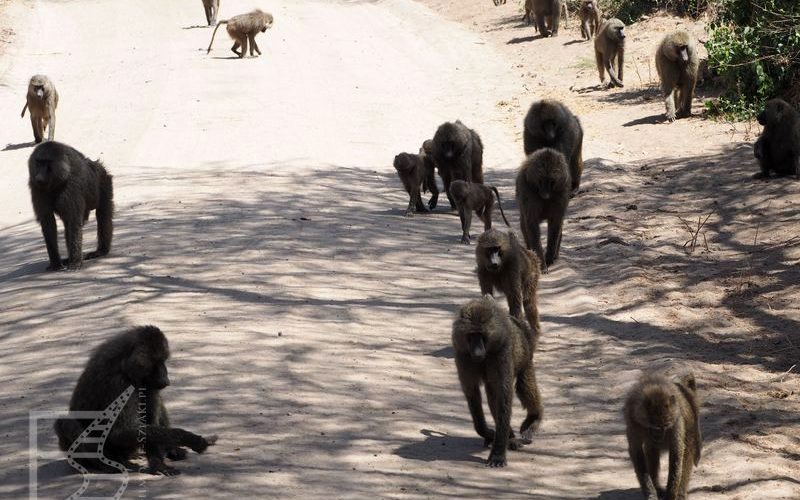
(543, 194)
(590, 18)
(677, 65)
(778, 147)
(547, 14)
(41, 102)
(662, 415)
(244, 28)
(608, 46)
(416, 178)
(64, 182)
(426, 152)
(550, 124)
(507, 266)
(473, 197)
(458, 153)
(134, 358)
(496, 349)
(212, 9)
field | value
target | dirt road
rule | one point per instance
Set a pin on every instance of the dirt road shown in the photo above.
(259, 224)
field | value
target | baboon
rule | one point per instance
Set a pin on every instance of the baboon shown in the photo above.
(529, 16)
(550, 124)
(41, 103)
(133, 358)
(212, 9)
(498, 2)
(242, 28)
(504, 264)
(426, 152)
(496, 349)
(677, 65)
(609, 45)
(543, 194)
(416, 178)
(479, 198)
(662, 415)
(778, 147)
(458, 153)
(547, 14)
(64, 182)
(590, 18)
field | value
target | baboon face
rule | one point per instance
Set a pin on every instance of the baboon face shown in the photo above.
(37, 85)
(681, 48)
(46, 174)
(588, 5)
(616, 30)
(451, 141)
(658, 411)
(146, 364)
(268, 20)
(773, 111)
(403, 163)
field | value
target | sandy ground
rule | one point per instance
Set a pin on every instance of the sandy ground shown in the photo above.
(259, 224)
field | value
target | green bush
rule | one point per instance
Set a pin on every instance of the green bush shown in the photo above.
(629, 11)
(754, 47)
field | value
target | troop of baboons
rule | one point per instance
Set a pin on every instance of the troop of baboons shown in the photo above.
(493, 346)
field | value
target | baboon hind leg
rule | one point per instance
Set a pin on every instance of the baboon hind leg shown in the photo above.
(528, 394)
(105, 224)
(237, 45)
(253, 44)
(465, 214)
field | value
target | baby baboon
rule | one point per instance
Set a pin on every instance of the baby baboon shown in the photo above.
(543, 194)
(507, 266)
(41, 103)
(662, 415)
(496, 349)
(416, 178)
(549, 124)
(778, 147)
(426, 152)
(242, 28)
(134, 358)
(479, 198)
(677, 65)
(63, 182)
(547, 14)
(458, 153)
(212, 9)
(609, 45)
(590, 18)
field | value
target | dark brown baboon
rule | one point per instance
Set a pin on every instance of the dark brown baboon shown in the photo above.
(677, 65)
(416, 178)
(426, 152)
(496, 349)
(507, 266)
(41, 103)
(135, 358)
(549, 124)
(458, 153)
(590, 18)
(662, 415)
(244, 28)
(479, 198)
(778, 147)
(547, 14)
(63, 182)
(608, 46)
(212, 9)
(543, 194)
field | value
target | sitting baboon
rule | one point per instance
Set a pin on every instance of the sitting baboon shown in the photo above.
(212, 9)
(662, 415)
(608, 46)
(677, 65)
(590, 18)
(458, 153)
(473, 197)
(549, 124)
(135, 358)
(416, 178)
(507, 266)
(63, 182)
(244, 28)
(543, 194)
(496, 349)
(778, 147)
(41, 102)
(547, 14)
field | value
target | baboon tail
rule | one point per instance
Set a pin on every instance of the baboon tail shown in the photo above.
(224, 21)
(500, 204)
(23, 110)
